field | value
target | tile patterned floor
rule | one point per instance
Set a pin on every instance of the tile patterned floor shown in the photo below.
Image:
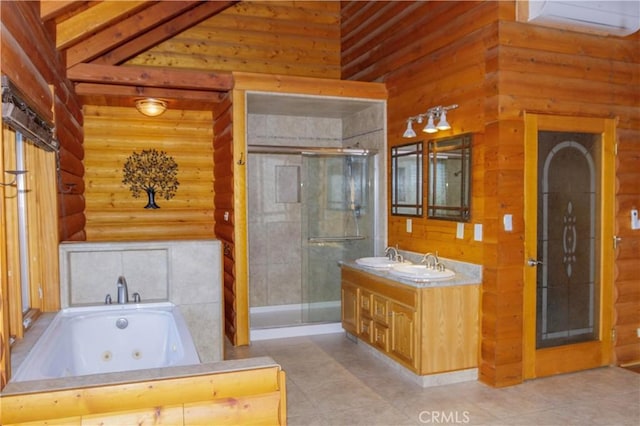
(333, 381)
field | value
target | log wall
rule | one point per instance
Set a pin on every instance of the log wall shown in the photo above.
(112, 134)
(496, 68)
(275, 37)
(226, 181)
(31, 62)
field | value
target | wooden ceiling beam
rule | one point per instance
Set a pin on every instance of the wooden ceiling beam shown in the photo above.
(98, 17)
(151, 77)
(115, 90)
(163, 32)
(126, 30)
(52, 9)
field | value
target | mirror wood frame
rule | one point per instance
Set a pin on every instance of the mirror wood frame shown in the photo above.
(407, 188)
(454, 204)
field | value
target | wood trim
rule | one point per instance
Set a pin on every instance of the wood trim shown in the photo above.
(5, 350)
(10, 213)
(309, 86)
(530, 241)
(241, 227)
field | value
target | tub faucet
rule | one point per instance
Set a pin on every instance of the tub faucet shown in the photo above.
(123, 291)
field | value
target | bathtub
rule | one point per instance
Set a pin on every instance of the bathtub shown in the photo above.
(109, 338)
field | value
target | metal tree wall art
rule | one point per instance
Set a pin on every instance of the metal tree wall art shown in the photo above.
(153, 172)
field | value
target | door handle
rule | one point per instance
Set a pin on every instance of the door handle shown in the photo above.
(534, 262)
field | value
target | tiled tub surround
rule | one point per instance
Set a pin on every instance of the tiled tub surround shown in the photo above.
(186, 273)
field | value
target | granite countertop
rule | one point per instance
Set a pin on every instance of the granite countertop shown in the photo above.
(466, 274)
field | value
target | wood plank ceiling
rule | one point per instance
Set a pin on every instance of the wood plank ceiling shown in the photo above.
(97, 37)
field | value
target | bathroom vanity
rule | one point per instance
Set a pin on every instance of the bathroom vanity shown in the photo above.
(427, 327)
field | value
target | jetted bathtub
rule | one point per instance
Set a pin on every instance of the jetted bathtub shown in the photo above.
(109, 338)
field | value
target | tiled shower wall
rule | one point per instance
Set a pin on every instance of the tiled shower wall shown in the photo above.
(186, 273)
(275, 222)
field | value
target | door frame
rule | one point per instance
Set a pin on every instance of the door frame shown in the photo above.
(585, 355)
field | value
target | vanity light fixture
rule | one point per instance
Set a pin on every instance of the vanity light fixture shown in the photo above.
(409, 133)
(151, 107)
(434, 113)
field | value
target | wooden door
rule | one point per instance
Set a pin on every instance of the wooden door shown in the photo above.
(569, 214)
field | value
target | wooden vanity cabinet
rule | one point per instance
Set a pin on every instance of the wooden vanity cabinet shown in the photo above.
(349, 308)
(428, 330)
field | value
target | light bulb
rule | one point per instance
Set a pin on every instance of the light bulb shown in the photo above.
(151, 107)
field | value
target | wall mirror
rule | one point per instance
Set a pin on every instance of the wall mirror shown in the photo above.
(449, 191)
(406, 179)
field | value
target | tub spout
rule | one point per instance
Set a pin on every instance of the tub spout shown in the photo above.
(123, 291)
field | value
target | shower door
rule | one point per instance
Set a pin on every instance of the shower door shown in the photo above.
(568, 275)
(337, 224)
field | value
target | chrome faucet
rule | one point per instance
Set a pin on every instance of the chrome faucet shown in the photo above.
(391, 253)
(431, 260)
(123, 291)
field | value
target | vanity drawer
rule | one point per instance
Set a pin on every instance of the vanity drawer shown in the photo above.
(365, 302)
(365, 328)
(380, 336)
(380, 309)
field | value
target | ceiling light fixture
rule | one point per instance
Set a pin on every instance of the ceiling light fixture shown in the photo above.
(434, 113)
(151, 107)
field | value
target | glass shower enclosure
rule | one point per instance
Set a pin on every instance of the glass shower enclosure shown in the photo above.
(337, 224)
(332, 191)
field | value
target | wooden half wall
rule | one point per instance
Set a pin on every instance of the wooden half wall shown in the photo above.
(246, 396)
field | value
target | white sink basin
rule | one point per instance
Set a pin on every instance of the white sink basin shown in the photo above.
(420, 272)
(381, 262)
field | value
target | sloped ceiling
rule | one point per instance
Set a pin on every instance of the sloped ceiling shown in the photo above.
(97, 37)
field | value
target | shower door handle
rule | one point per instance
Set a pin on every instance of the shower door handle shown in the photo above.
(334, 239)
